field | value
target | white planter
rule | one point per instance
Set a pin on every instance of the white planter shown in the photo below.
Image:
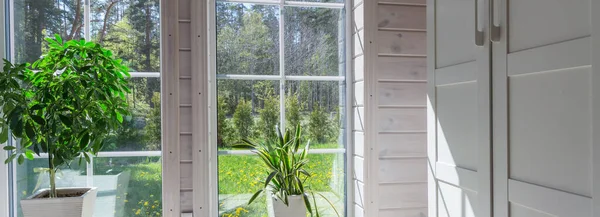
(296, 207)
(82, 206)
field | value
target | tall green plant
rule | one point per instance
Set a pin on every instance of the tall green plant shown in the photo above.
(285, 161)
(268, 117)
(66, 106)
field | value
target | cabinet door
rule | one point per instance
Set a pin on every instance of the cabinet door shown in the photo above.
(458, 109)
(544, 110)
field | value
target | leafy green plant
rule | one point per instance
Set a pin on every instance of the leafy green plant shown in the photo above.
(268, 116)
(292, 110)
(320, 128)
(285, 162)
(65, 104)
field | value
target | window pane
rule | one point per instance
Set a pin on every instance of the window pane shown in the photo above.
(318, 106)
(246, 110)
(36, 20)
(31, 179)
(323, 1)
(128, 186)
(247, 39)
(130, 29)
(313, 42)
(141, 131)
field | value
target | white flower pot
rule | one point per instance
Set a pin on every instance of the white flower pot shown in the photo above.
(296, 207)
(81, 206)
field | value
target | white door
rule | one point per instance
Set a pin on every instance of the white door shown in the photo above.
(459, 109)
(543, 113)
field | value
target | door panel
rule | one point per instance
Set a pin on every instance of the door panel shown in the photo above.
(459, 106)
(543, 109)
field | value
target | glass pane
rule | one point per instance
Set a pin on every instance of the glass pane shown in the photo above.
(128, 186)
(314, 41)
(130, 29)
(30, 180)
(36, 20)
(247, 39)
(141, 131)
(246, 110)
(318, 106)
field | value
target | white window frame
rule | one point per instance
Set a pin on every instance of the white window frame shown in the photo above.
(6, 170)
(282, 78)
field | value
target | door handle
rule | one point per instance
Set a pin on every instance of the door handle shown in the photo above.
(479, 34)
(494, 29)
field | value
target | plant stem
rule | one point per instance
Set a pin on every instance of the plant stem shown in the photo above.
(52, 171)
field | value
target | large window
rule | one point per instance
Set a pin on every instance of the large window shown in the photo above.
(128, 170)
(279, 63)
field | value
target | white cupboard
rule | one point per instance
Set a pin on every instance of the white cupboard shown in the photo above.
(512, 116)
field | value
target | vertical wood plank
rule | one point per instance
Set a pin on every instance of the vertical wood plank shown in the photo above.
(170, 107)
(432, 187)
(200, 103)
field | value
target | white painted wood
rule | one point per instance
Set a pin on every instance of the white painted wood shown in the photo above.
(403, 1)
(185, 34)
(458, 113)
(556, 203)
(401, 17)
(82, 206)
(184, 9)
(404, 212)
(359, 191)
(550, 111)
(359, 169)
(401, 120)
(568, 54)
(401, 42)
(170, 108)
(399, 93)
(455, 20)
(359, 43)
(202, 192)
(359, 144)
(454, 201)
(536, 23)
(187, 201)
(407, 170)
(595, 79)
(185, 98)
(460, 73)
(186, 119)
(359, 97)
(400, 68)
(543, 109)
(185, 63)
(359, 17)
(457, 176)
(359, 113)
(186, 147)
(186, 180)
(403, 196)
(187, 215)
(402, 145)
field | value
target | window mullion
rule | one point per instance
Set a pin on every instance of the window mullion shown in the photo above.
(282, 65)
(89, 177)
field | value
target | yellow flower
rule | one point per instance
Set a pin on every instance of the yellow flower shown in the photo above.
(138, 212)
(146, 203)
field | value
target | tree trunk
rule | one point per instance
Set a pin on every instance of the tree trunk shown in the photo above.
(105, 24)
(76, 26)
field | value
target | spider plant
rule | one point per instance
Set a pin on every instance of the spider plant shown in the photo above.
(285, 161)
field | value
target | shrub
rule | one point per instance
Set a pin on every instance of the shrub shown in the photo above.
(268, 117)
(243, 120)
(320, 128)
(152, 129)
(224, 130)
(292, 109)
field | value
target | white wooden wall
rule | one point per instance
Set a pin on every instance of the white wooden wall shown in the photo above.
(390, 136)
(185, 106)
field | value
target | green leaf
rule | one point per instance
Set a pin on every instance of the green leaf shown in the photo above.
(66, 120)
(21, 159)
(254, 196)
(4, 135)
(36, 107)
(9, 148)
(119, 117)
(30, 131)
(268, 180)
(58, 38)
(29, 154)
(87, 157)
(39, 120)
(85, 140)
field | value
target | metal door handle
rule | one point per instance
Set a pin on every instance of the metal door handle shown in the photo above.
(479, 35)
(494, 29)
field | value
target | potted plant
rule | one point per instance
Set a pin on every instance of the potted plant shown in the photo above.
(64, 105)
(285, 160)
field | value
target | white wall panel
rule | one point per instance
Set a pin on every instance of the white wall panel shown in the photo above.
(402, 144)
(407, 170)
(403, 196)
(401, 42)
(401, 17)
(395, 94)
(398, 68)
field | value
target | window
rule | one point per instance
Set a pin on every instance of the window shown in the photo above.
(279, 63)
(128, 170)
